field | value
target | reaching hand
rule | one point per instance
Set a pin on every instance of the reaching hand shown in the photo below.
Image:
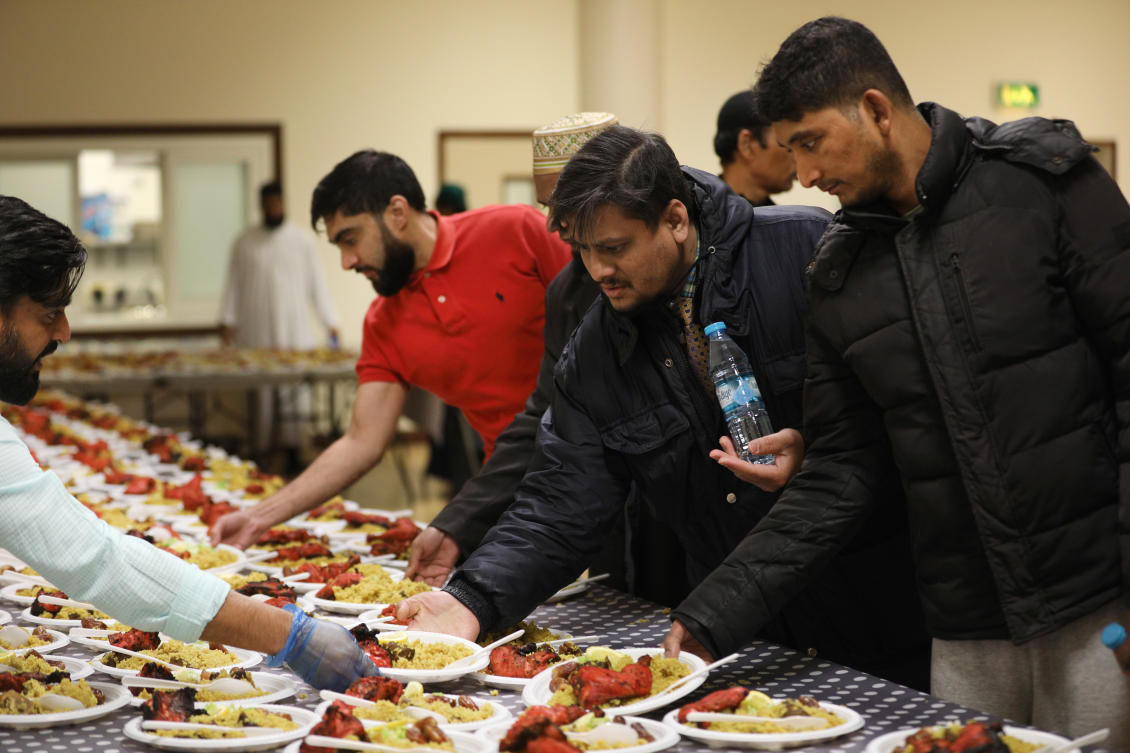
(786, 445)
(679, 639)
(432, 557)
(438, 612)
(240, 529)
(322, 653)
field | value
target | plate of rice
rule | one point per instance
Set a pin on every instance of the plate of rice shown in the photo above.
(840, 720)
(20, 640)
(662, 737)
(294, 723)
(458, 742)
(432, 652)
(113, 697)
(665, 672)
(1017, 739)
(461, 712)
(32, 661)
(189, 655)
(270, 689)
(375, 591)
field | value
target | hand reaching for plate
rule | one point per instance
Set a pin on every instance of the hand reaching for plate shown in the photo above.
(438, 612)
(432, 557)
(680, 639)
(786, 445)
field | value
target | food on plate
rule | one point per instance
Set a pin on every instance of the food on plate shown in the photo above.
(531, 633)
(37, 693)
(332, 510)
(546, 729)
(339, 721)
(974, 737)
(180, 706)
(203, 695)
(32, 661)
(407, 653)
(281, 536)
(738, 700)
(172, 651)
(13, 637)
(392, 697)
(59, 612)
(395, 540)
(525, 661)
(259, 583)
(357, 521)
(378, 588)
(203, 556)
(323, 573)
(313, 552)
(603, 677)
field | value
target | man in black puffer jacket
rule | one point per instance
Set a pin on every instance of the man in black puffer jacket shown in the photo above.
(630, 409)
(969, 320)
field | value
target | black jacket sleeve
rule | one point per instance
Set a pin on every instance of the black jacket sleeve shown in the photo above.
(483, 499)
(567, 500)
(820, 510)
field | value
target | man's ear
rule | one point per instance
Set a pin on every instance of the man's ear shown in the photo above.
(877, 108)
(747, 143)
(677, 219)
(396, 213)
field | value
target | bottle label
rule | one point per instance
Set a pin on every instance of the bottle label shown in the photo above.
(737, 391)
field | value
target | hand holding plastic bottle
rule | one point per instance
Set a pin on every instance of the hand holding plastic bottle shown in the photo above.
(1114, 638)
(322, 653)
(786, 445)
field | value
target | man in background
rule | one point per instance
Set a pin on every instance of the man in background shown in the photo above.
(273, 279)
(639, 556)
(460, 313)
(754, 165)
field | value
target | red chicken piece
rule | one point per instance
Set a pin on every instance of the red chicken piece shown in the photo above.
(540, 723)
(377, 689)
(272, 587)
(515, 661)
(135, 640)
(595, 685)
(396, 539)
(338, 721)
(323, 573)
(194, 463)
(306, 551)
(210, 512)
(139, 485)
(341, 581)
(390, 611)
(356, 519)
(719, 700)
(113, 476)
(279, 536)
(327, 509)
(367, 640)
(170, 706)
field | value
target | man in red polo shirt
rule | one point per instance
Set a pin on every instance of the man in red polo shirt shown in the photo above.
(460, 313)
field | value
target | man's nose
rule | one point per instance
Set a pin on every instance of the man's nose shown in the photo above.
(62, 328)
(807, 173)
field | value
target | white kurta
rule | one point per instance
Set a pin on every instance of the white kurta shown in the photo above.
(273, 279)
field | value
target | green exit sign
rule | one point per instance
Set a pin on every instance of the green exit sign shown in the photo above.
(1018, 95)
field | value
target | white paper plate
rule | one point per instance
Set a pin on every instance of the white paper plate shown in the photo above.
(304, 718)
(888, 742)
(9, 593)
(464, 742)
(245, 659)
(116, 697)
(276, 687)
(501, 715)
(537, 692)
(52, 622)
(664, 736)
(58, 641)
(76, 668)
(5, 618)
(432, 675)
(768, 741)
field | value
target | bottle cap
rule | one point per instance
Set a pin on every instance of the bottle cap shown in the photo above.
(710, 329)
(1114, 635)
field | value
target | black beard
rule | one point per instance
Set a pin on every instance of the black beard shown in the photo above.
(18, 379)
(400, 261)
(273, 222)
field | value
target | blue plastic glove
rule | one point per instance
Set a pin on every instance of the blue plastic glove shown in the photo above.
(322, 653)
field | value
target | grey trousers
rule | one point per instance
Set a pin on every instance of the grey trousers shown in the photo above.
(1066, 682)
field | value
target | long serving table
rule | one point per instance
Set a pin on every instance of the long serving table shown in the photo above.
(623, 622)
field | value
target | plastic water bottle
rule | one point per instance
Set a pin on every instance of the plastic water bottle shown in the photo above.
(1114, 638)
(738, 393)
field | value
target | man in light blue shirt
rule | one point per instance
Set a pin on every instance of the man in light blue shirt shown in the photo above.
(41, 262)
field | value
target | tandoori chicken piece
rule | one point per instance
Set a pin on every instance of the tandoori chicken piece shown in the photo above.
(377, 689)
(338, 721)
(540, 723)
(170, 706)
(718, 701)
(135, 640)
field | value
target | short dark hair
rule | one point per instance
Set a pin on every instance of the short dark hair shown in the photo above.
(829, 62)
(39, 257)
(270, 188)
(633, 170)
(365, 182)
(740, 112)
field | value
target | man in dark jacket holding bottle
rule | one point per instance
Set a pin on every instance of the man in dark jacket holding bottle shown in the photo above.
(969, 324)
(630, 408)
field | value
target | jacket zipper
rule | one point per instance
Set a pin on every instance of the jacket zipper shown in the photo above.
(963, 296)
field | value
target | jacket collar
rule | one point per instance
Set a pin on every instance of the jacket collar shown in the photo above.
(946, 159)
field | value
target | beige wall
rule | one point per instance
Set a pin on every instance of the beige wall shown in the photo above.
(346, 74)
(339, 75)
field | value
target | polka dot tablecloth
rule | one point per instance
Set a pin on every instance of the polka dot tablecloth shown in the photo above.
(623, 622)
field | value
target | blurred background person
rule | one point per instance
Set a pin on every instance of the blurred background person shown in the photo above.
(451, 199)
(273, 279)
(753, 163)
